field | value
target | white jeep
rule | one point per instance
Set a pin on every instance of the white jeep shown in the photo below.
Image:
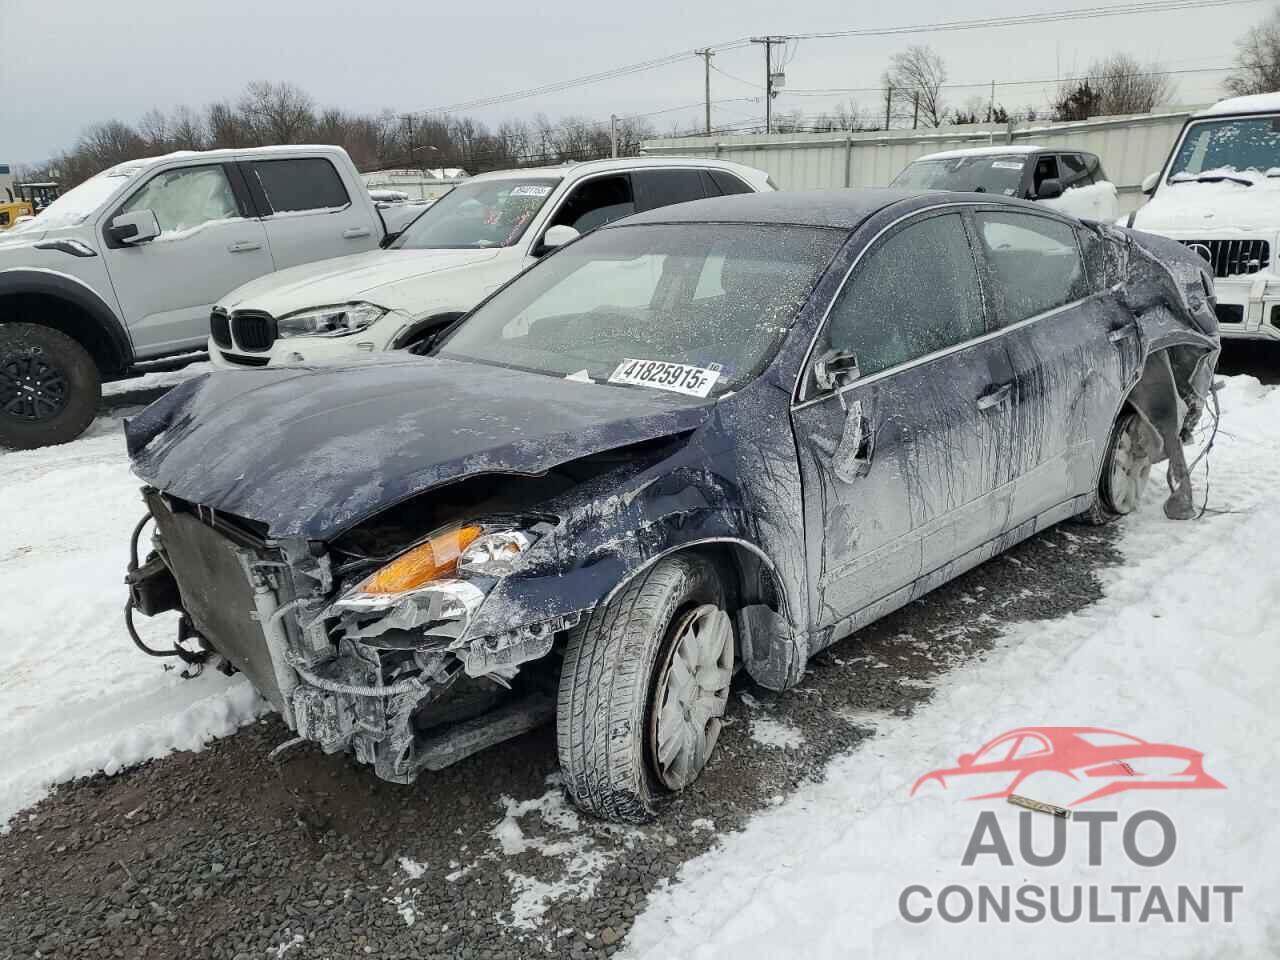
(465, 246)
(1219, 194)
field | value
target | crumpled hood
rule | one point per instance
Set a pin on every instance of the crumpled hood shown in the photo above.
(1213, 209)
(372, 276)
(311, 451)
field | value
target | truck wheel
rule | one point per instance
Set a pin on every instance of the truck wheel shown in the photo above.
(1125, 470)
(644, 687)
(49, 386)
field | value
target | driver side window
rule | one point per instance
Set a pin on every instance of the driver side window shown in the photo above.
(913, 294)
(595, 203)
(186, 198)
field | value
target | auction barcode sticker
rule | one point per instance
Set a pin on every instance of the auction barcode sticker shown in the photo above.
(678, 377)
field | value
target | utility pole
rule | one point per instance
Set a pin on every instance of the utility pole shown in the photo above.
(769, 92)
(706, 56)
(991, 107)
(613, 135)
(888, 104)
(915, 115)
(408, 120)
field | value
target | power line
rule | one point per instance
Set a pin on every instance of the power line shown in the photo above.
(1053, 16)
(832, 91)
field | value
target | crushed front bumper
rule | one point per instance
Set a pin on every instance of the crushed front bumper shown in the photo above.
(403, 690)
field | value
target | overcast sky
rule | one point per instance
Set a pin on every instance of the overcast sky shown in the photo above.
(70, 63)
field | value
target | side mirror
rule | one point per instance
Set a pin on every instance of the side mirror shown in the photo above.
(1049, 189)
(558, 236)
(1149, 183)
(137, 226)
(966, 759)
(835, 367)
(389, 239)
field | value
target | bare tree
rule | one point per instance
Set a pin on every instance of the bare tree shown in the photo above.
(1126, 86)
(187, 130)
(1258, 59)
(914, 83)
(277, 112)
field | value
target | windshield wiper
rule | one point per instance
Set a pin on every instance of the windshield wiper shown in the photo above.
(1219, 177)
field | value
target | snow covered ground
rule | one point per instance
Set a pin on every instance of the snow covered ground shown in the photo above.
(75, 695)
(1184, 649)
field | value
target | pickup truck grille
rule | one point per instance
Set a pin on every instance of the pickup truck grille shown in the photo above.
(220, 328)
(253, 330)
(1233, 258)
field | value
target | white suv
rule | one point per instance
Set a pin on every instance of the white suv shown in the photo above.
(470, 242)
(1219, 194)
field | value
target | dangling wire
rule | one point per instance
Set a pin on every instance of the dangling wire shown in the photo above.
(1204, 453)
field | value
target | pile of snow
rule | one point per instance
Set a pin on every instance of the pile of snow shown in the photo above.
(1183, 649)
(76, 696)
(1094, 201)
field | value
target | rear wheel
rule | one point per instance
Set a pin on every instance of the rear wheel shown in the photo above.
(1126, 467)
(49, 386)
(644, 687)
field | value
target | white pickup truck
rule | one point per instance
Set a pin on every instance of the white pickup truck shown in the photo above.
(127, 266)
(465, 246)
(1219, 194)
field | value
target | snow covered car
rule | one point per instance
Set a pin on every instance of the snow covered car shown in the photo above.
(1071, 765)
(1219, 194)
(722, 434)
(1071, 181)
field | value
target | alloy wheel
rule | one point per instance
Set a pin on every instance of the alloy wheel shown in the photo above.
(31, 387)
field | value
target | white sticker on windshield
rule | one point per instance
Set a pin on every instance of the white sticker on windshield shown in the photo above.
(1006, 164)
(678, 377)
(530, 190)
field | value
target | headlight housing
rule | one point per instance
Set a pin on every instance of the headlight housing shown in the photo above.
(338, 320)
(440, 563)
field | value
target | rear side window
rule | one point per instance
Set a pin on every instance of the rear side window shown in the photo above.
(1036, 262)
(1075, 172)
(302, 183)
(595, 203)
(915, 293)
(727, 182)
(661, 188)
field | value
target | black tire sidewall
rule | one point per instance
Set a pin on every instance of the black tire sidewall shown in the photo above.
(84, 382)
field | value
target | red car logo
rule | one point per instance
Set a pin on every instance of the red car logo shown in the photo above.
(1070, 766)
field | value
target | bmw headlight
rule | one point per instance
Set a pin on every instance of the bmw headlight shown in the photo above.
(338, 320)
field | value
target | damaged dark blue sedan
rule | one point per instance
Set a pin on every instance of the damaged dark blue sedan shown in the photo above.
(719, 435)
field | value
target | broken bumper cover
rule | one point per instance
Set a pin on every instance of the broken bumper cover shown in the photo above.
(400, 682)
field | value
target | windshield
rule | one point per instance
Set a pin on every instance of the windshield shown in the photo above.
(999, 174)
(695, 308)
(483, 213)
(78, 202)
(1241, 144)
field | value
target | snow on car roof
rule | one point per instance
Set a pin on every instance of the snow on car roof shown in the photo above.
(1257, 103)
(991, 151)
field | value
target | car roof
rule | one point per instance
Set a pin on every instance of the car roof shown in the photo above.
(1256, 103)
(1016, 149)
(618, 164)
(842, 209)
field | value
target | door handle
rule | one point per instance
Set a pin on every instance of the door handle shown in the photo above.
(355, 233)
(995, 396)
(1123, 333)
(244, 246)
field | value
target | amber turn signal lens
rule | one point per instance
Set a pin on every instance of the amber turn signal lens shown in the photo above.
(436, 558)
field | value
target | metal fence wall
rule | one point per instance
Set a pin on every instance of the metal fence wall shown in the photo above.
(1130, 148)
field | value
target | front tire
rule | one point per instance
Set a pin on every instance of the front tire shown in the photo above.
(49, 386)
(1126, 467)
(644, 687)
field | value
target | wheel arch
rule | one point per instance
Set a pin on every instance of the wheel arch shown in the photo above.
(64, 303)
(439, 319)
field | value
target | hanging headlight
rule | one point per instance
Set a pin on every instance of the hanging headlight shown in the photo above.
(334, 321)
